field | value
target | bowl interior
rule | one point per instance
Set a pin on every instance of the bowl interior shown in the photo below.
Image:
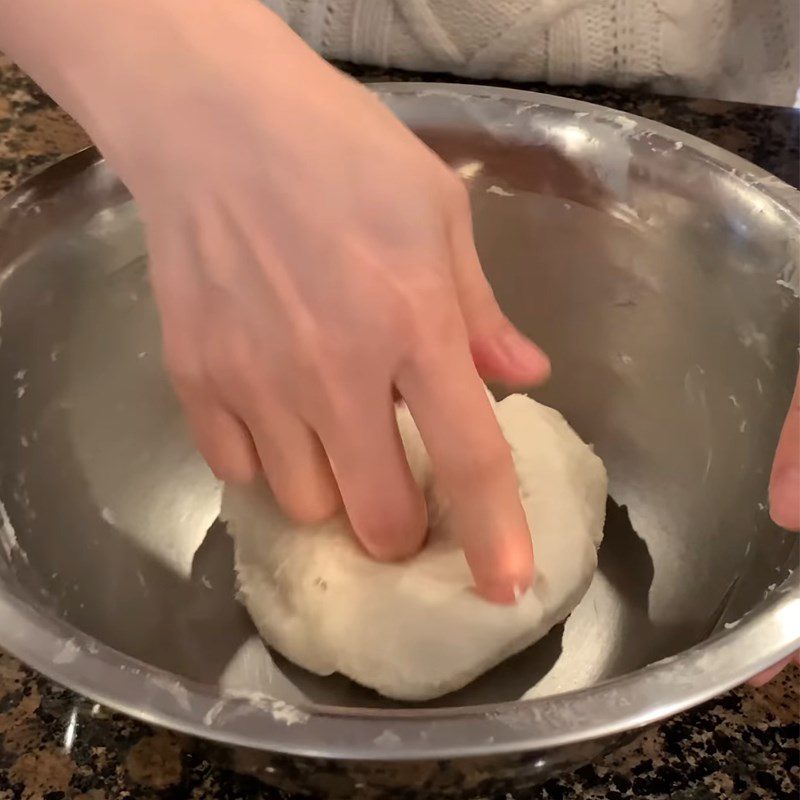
(655, 279)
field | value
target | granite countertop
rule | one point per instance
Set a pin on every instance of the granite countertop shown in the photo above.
(54, 744)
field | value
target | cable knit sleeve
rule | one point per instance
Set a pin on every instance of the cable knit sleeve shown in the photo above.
(730, 49)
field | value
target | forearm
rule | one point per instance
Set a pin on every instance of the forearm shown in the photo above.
(93, 56)
(67, 46)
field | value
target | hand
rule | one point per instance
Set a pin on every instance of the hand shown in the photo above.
(784, 482)
(784, 498)
(309, 258)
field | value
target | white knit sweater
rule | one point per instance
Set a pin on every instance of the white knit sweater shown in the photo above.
(729, 49)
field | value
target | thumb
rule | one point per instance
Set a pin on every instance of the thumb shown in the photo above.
(784, 483)
(500, 351)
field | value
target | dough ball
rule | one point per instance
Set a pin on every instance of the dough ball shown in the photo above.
(417, 630)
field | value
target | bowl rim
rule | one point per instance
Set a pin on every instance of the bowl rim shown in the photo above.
(70, 657)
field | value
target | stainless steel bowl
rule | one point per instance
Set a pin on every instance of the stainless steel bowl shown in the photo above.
(656, 269)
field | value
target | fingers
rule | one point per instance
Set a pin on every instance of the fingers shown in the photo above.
(272, 442)
(288, 454)
(784, 484)
(295, 464)
(784, 499)
(504, 354)
(384, 505)
(222, 440)
(769, 674)
(474, 468)
(499, 350)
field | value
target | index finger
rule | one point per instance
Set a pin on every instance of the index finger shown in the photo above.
(473, 465)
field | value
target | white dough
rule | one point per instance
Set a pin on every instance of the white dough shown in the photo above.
(417, 630)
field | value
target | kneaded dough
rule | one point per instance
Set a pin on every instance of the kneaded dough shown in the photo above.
(417, 630)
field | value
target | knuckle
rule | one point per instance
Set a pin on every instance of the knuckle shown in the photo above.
(230, 361)
(392, 531)
(382, 539)
(419, 299)
(232, 470)
(308, 505)
(326, 365)
(433, 338)
(228, 453)
(186, 378)
(312, 351)
(332, 397)
(490, 465)
(337, 399)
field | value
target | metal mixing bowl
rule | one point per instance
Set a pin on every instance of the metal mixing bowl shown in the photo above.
(655, 269)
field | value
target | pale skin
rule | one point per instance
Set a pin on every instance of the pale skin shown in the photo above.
(311, 259)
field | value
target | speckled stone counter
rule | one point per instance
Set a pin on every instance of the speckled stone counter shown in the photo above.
(56, 745)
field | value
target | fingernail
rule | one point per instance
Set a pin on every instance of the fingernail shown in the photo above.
(784, 498)
(504, 592)
(519, 590)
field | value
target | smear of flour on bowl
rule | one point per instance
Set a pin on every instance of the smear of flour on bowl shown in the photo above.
(8, 537)
(279, 710)
(174, 688)
(790, 278)
(499, 190)
(284, 712)
(388, 739)
(213, 713)
(68, 653)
